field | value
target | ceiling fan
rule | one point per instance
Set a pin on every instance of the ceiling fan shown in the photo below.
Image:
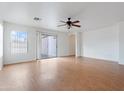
(70, 23)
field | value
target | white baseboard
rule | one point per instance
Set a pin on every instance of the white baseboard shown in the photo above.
(20, 61)
(121, 63)
(101, 59)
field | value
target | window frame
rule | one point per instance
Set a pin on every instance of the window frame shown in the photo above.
(17, 36)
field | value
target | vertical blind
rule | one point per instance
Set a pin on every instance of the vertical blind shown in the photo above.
(19, 42)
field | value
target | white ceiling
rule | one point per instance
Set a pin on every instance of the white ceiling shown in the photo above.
(91, 15)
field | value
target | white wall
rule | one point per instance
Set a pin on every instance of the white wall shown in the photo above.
(31, 55)
(121, 43)
(102, 43)
(105, 43)
(1, 45)
(62, 43)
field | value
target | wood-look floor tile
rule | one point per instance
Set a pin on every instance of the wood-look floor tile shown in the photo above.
(64, 73)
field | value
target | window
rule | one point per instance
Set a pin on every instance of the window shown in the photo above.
(18, 42)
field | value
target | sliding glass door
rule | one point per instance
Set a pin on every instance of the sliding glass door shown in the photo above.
(48, 46)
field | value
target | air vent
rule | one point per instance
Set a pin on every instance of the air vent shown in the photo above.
(37, 18)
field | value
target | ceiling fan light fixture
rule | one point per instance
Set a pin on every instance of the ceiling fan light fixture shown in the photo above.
(70, 23)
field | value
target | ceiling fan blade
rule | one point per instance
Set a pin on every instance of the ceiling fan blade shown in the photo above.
(77, 21)
(63, 21)
(76, 25)
(61, 25)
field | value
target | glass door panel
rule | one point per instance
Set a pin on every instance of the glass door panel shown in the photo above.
(48, 46)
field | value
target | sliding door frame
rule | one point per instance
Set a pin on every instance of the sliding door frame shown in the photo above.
(49, 34)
